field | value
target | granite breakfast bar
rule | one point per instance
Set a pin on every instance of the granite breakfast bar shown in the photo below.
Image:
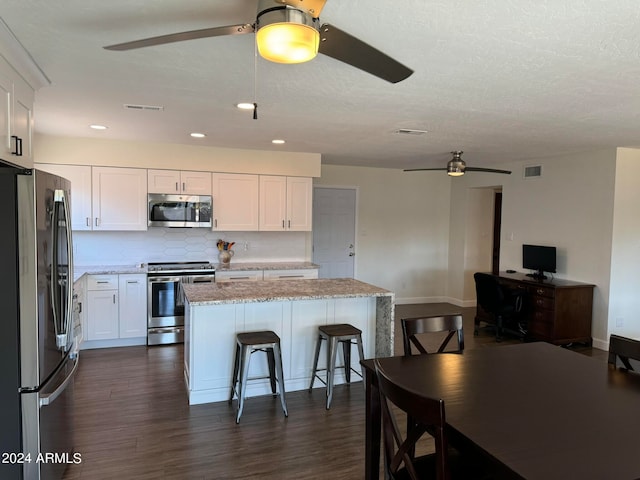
(215, 313)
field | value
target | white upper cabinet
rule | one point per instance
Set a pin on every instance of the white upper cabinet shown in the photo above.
(285, 203)
(16, 117)
(179, 182)
(119, 198)
(80, 178)
(235, 202)
(299, 204)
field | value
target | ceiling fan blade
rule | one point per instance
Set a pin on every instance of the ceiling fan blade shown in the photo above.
(182, 36)
(490, 170)
(348, 49)
(421, 169)
(314, 7)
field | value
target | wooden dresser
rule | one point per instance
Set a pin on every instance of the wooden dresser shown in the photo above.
(556, 311)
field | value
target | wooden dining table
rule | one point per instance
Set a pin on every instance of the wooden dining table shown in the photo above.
(531, 410)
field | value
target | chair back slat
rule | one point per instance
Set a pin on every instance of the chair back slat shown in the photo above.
(452, 324)
(625, 349)
(427, 415)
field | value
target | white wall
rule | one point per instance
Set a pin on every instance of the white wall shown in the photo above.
(570, 207)
(402, 229)
(625, 253)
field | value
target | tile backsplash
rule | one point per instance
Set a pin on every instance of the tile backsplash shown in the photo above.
(187, 244)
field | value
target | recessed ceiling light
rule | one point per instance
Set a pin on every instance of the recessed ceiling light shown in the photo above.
(198, 135)
(245, 106)
(98, 127)
(277, 141)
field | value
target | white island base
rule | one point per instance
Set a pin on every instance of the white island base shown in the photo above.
(293, 309)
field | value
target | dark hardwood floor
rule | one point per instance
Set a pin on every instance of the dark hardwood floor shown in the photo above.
(133, 420)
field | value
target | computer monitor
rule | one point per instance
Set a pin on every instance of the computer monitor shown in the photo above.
(540, 259)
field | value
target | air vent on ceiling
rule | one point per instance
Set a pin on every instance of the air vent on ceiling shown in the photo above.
(410, 131)
(533, 171)
(153, 108)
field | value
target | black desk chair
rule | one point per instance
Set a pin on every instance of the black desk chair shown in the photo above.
(437, 324)
(625, 349)
(427, 416)
(502, 303)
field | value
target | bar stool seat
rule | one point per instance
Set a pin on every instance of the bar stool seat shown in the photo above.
(341, 333)
(246, 344)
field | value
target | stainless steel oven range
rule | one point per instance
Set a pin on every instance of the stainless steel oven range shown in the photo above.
(166, 299)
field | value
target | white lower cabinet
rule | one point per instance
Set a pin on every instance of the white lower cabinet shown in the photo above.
(116, 310)
(102, 307)
(133, 305)
(238, 276)
(301, 274)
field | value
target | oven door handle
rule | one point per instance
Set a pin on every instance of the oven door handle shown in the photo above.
(164, 279)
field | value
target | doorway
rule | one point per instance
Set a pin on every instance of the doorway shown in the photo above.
(334, 231)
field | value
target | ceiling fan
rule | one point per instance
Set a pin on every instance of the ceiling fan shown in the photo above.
(456, 167)
(289, 31)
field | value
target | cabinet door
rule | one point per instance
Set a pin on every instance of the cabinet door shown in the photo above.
(6, 96)
(133, 305)
(80, 178)
(273, 203)
(299, 204)
(235, 202)
(119, 198)
(163, 181)
(102, 315)
(23, 121)
(195, 183)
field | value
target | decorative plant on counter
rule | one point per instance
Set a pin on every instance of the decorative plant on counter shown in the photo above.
(224, 251)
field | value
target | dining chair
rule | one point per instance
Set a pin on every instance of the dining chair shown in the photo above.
(625, 349)
(436, 324)
(427, 417)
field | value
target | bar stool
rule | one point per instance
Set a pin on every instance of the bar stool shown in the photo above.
(334, 334)
(247, 344)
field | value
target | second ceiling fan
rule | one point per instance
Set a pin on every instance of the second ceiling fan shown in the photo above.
(289, 31)
(457, 167)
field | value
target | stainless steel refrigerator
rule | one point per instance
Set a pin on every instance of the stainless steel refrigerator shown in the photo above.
(38, 354)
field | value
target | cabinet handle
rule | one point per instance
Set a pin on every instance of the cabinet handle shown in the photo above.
(102, 281)
(88, 221)
(18, 150)
(283, 224)
(184, 186)
(97, 222)
(79, 307)
(132, 281)
(177, 190)
(289, 223)
(215, 222)
(114, 298)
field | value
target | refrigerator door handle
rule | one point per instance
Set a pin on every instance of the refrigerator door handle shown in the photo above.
(62, 314)
(45, 400)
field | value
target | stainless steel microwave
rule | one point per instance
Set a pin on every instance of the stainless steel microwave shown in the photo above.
(167, 210)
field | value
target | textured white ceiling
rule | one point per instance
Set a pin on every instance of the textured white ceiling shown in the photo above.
(502, 80)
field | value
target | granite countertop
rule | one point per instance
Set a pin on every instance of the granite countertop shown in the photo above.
(80, 270)
(286, 290)
(244, 266)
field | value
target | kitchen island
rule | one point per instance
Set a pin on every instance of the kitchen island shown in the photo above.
(215, 313)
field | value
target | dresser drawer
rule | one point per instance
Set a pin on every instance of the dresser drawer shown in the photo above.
(541, 291)
(538, 302)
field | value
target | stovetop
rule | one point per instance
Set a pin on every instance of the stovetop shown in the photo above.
(180, 267)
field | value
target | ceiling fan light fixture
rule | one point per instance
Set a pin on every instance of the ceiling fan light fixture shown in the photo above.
(287, 35)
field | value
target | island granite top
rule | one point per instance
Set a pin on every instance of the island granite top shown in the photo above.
(280, 291)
